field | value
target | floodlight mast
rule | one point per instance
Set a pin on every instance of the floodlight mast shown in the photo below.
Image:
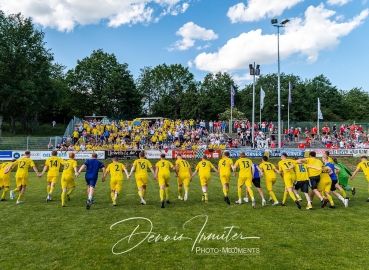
(282, 24)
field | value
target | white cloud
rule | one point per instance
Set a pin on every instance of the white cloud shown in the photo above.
(306, 37)
(64, 15)
(239, 79)
(208, 45)
(259, 9)
(337, 2)
(189, 33)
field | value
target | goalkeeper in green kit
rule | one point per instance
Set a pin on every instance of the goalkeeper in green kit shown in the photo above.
(343, 176)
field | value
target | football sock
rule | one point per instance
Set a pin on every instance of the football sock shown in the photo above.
(15, 190)
(284, 196)
(251, 193)
(5, 191)
(225, 192)
(48, 189)
(330, 200)
(292, 195)
(20, 197)
(70, 191)
(272, 195)
(239, 191)
(206, 196)
(144, 193)
(167, 193)
(186, 189)
(161, 194)
(297, 195)
(51, 190)
(112, 195)
(180, 191)
(343, 193)
(140, 194)
(63, 198)
(347, 188)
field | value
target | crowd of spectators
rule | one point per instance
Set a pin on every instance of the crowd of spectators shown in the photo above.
(141, 134)
(345, 137)
(161, 134)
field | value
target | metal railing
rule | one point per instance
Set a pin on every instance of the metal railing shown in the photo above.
(29, 143)
(70, 128)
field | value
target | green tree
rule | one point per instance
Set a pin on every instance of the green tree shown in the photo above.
(25, 72)
(168, 91)
(100, 85)
(356, 102)
(215, 95)
(236, 115)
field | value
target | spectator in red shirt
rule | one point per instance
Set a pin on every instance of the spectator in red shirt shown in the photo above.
(301, 145)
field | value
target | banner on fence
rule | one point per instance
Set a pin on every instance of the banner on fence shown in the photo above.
(122, 154)
(155, 154)
(6, 155)
(196, 154)
(289, 152)
(235, 153)
(43, 155)
(342, 152)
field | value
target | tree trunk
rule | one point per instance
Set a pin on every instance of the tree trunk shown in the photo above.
(34, 124)
(23, 121)
(1, 124)
(12, 125)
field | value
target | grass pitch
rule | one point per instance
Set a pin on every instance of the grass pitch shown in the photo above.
(40, 235)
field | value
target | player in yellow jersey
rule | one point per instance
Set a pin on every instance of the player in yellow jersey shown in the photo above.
(337, 169)
(284, 166)
(162, 175)
(314, 171)
(140, 167)
(224, 168)
(204, 168)
(364, 166)
(116, 170)
(245, 177)
(302, 181)
(183, 173)
(332, 170)
(4, 179)
(67, 178)
(21, 176)
(269, 171)
(324, 185)
(258, 173)
(52, 163)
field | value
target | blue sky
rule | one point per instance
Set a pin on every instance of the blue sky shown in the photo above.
(323, 37)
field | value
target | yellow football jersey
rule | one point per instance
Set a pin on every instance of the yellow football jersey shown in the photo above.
(164, 166)
(225, 166)
(3, 167)
(364, 165)
(301, 171)
(284, 166)
(183, 165)
(245, 165)
(54, 165)
(204, 167)
(69, 167)
(116, 170)
(268, 169)
(23, 164)
(141, 165)
(316, 163)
